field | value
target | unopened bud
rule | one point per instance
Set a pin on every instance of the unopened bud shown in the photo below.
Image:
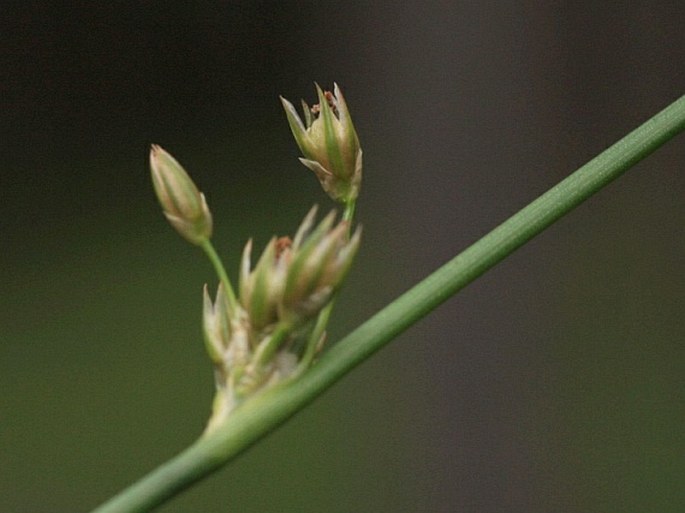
(329, 143)
(183, 204)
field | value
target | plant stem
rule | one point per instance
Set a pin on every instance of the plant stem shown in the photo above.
(263, 413)
(348, 213)
(211, 253)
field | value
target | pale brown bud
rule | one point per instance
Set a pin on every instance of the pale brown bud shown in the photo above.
(183, 204)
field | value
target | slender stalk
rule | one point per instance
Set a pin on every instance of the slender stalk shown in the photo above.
(263, 413)
(211, 253)
(348, 213)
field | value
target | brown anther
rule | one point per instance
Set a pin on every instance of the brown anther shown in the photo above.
(282, 244)
(330, 98)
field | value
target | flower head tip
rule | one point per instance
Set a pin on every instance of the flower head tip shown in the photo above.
(183, 204)
(329, 143)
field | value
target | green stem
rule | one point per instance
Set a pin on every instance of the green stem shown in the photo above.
(220, 271)
(263, 413)
(348, 214)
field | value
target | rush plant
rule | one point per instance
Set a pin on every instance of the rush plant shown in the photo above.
(265, 338)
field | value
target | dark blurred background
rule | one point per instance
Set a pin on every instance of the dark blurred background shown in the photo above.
(553, 383)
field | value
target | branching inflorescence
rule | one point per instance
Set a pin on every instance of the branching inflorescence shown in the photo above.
(265, 338)
(273, 328)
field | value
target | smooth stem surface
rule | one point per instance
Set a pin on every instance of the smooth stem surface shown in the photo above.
(213, 256)
(348, 213)
(263, 413)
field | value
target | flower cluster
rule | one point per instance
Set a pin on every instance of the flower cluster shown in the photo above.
(275, 325)
(329, 143)
(294, 279)
(260, 340)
